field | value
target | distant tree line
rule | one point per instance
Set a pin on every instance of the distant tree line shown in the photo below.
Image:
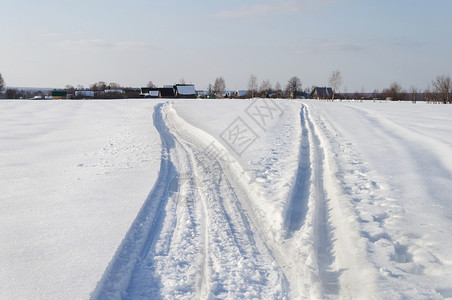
(439, 91)
(264, 90)
(2, 83)
(102, 90)
(13, 93)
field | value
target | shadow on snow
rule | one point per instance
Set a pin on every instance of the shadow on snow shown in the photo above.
(118, 280)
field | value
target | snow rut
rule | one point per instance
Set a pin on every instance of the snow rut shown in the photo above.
(329, 274)
(330, 254)
(298, 202)
(344, 268)
(191, 238)
(145, 229)
(202, 234)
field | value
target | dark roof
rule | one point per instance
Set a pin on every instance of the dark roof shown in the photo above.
(322, 93)
(145, 90)
(59, 93)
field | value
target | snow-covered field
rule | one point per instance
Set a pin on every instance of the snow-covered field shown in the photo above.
(144, 199)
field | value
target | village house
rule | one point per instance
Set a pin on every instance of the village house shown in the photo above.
(84, 94)
(185, 91)
(170, 91)
(59, 94)
(322, 93)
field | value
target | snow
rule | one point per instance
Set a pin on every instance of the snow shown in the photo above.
(84, 94)
(260, 198)
(395, 170)
(154, 93)
(74, 175)
(186, 90)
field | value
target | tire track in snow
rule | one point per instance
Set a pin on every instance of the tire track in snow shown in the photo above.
(301, 281)
(178, 256)
(296, 278)
(328, 273)
(355, 273)
(190, 239)
(142, 234)
(309, 186)
(308, 208)
(164, 254)
(298, 202)
(240, 264)
(204, 237)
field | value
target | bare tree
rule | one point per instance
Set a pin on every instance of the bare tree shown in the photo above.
(2, 82)
(265, 88)
(70, 89)
(252, 86)
(293, 87)
(210, 91)
(346, 95)
(219, 87)
(414, 94)
(114, 86)
(376, 95)
(278, 90)
(428, 95)
(150, 85)
(100, 86)
(13, 94)
(335, 81)
(443, 87)
(357, 95)
(395, 92)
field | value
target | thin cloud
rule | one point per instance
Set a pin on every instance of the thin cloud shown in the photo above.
(246, 11)
(273, 7)
(86, 44)
(312, 6)
(132, 45)
(54, 35)
(407, 43)
(310, 46)
(101, 44)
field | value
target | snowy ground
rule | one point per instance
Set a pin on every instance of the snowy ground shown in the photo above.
(73, 176)
(225, 199)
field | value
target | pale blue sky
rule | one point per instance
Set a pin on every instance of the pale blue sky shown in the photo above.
(52, 43)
